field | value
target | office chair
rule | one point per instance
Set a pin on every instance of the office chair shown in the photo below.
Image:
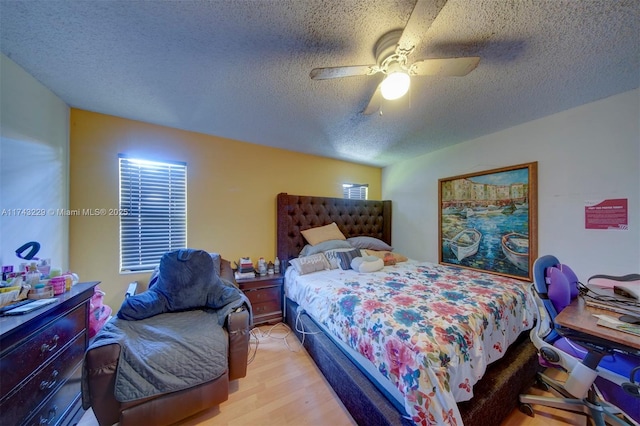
(600, 376)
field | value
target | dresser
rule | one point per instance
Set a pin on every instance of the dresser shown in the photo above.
(41, 361)
(265, 295)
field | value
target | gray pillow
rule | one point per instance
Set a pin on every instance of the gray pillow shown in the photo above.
(369, 243)
(308, 250)
(186, 280)
(216, 267)
(347, 256)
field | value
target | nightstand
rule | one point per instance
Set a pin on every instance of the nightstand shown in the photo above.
(265, 295)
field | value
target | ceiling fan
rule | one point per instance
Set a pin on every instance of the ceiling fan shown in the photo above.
(392, 53)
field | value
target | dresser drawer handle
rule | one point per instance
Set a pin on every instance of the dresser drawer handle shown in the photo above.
(48, 384)
(49, 347)
(52, 415)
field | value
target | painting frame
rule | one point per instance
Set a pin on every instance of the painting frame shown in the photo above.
(488, 220)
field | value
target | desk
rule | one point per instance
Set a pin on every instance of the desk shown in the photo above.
(578, 316)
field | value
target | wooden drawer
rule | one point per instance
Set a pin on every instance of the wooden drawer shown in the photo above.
(264, 295)
(26, 398)
(260, 282)
(260, 309)
(61, 404)
(42, 346)
(266, 304)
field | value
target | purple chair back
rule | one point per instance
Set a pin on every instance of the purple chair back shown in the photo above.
(558, 290)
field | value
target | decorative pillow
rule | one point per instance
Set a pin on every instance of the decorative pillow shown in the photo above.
(382, 254)
(308, 250)
(186, 279)
(347, 256)
(332, 256)
(369, 243)
(323, 233)
(216, 268)
(309, 264)
(367, 264)
(389, 259)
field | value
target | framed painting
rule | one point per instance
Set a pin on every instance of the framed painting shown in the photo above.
(488, 220)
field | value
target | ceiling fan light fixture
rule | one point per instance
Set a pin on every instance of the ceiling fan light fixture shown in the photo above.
(395, 85)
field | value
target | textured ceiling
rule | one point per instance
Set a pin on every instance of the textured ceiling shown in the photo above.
(240, 69)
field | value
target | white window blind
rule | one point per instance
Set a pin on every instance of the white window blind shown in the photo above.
(355, 191)
(154, 197)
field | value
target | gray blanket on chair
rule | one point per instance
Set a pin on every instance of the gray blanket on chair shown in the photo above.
(165, 353)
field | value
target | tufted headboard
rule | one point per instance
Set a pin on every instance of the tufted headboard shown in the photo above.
(354, 217)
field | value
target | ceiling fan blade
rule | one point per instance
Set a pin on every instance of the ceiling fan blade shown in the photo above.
(339, 72)
(374, 103)
(422, 16)
(455, 67)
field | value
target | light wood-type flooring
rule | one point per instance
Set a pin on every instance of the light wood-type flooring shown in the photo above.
(283, 386)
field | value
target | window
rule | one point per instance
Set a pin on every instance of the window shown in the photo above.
(153, 203)
(355, 191)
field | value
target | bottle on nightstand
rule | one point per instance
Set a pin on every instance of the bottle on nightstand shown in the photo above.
(262, 267)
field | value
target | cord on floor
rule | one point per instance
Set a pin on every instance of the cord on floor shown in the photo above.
(257, 334)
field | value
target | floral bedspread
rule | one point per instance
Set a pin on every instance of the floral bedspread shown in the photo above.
(430, 329)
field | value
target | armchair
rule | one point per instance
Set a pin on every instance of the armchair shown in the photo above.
(598, 371)
(171, 398)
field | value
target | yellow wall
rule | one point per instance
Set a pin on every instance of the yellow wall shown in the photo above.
(231, 191)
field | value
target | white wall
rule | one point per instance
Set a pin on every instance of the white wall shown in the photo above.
(34, 166)
(591, 152)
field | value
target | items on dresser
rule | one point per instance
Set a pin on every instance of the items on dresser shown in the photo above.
(15, 304)
(262, 267)
(30, 307)
(244, 269)
(35, 280)
(41, 354)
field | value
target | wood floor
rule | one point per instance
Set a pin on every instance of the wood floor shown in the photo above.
(299, 395)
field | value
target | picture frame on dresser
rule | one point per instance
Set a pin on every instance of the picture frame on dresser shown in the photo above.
(488, 220)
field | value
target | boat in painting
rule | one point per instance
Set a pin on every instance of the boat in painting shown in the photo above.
(515, 247)
(465, 243)
(509, 209)
(467, 212)
(451, 210)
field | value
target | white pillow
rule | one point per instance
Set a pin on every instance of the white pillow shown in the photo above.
(367, 264)
(309, 264)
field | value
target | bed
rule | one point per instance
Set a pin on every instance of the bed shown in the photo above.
(370, 390)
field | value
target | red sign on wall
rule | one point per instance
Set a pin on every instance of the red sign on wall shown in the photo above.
(607, 214)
